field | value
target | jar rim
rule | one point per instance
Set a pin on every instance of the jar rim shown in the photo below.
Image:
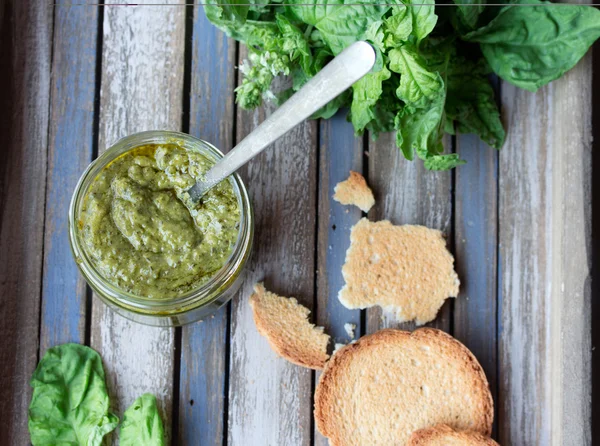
(202, 296)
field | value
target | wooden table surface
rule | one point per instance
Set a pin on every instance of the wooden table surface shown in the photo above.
(76, 78)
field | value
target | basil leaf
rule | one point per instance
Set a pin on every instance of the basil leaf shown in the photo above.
(471, 102)
(399, 26)
(469, 11)
(418, 86)
(424, 18)
(142, 424)
(385, 109)
(222, 11)
(421, 130)
(365, 94)
(70, 403)
(531, 46)
(443, 162)
(340, 24)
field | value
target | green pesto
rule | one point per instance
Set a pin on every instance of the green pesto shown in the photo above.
(140, 234)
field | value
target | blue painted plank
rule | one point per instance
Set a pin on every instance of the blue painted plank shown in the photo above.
(203, 351)
(476, 230)
(340, 152)
(70, 151)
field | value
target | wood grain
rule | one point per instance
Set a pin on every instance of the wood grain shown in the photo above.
(545, 302)
(407, 194)
(339, 152)
(142, 84)
(70, 147)
(270, 398)
(475, 241)
(203, 347)
(24, 103)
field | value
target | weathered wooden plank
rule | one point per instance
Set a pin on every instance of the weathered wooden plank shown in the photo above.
(475, 241)
(269, 398)
(407, 194)
(69, 152)
(545, 306)
(24, 102)
(339, 152)
(141, 89)
(595, 186)
(203, 346)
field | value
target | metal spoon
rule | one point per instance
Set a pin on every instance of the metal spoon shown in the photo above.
(337, 76)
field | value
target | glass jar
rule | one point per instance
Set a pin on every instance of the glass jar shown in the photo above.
(191, 306)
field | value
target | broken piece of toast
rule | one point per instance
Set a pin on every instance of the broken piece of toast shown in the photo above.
(406, 269)
(354, 191)
(284, 322)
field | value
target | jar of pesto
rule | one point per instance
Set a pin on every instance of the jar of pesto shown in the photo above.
(146, 250)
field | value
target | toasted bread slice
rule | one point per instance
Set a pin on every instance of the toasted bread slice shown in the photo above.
(284, 322)
(442, 435)
(406, 269)
(387, 385)
(354, 191)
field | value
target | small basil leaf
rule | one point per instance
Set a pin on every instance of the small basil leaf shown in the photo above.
(70, 403)
(226, 10)
(421, 130)
(399, 26)
(424, 18)
(365, 94)
(469, 11)
(418, 86)
(385, 110)
(142, 424)
(443, 162)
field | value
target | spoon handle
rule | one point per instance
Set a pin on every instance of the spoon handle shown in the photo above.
(337, 76)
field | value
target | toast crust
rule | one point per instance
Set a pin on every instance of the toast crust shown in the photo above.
(385, 386)
(284, 322)
(443, 435)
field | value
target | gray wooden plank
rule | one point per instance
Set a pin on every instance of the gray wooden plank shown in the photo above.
(270, 398)
(70, 146)
(141, 89)
(339, 152)
(595, 285)
(475, 241)
(24, 102)
(407, 194)
(545, 302)
(203, 346)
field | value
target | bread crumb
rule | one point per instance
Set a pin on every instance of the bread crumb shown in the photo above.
(284, 322)
(350, 329)
(354, 191)
(405, 269)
